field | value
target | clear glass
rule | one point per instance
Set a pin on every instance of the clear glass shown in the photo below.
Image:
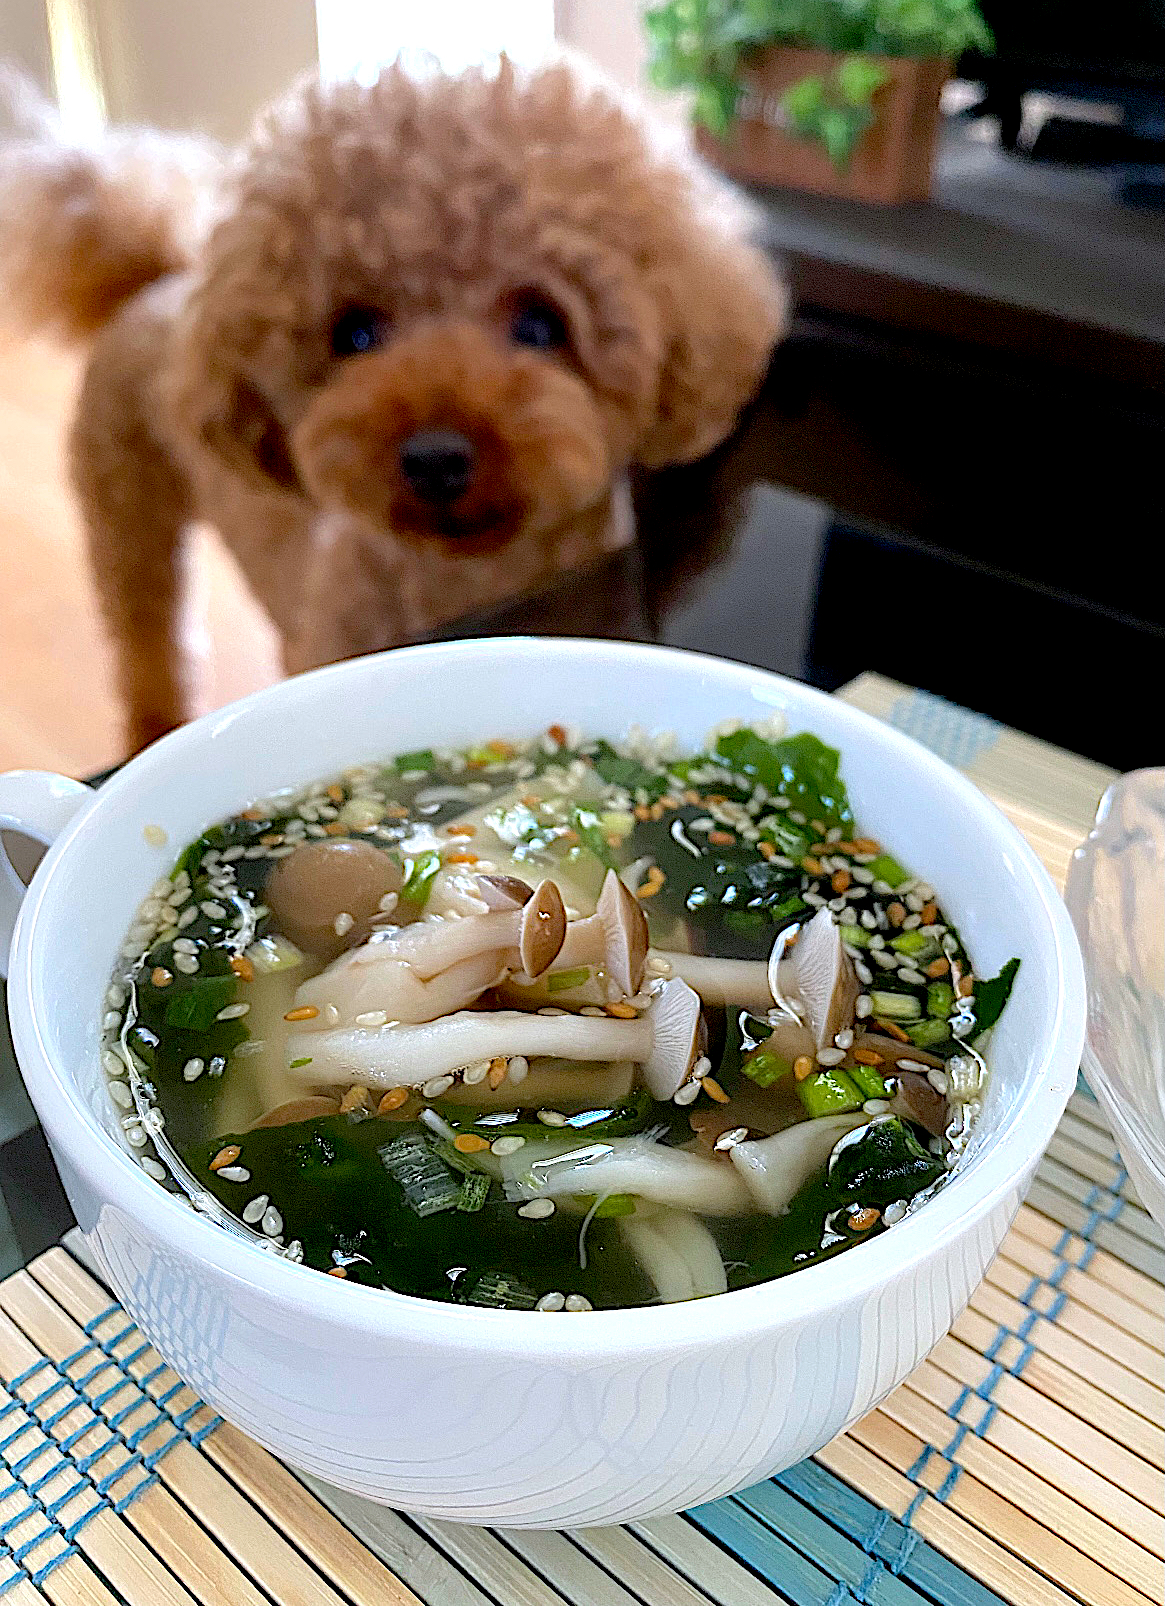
(1116, 896)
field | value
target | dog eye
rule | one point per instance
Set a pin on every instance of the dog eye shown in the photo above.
(537, 324)
(357, 330)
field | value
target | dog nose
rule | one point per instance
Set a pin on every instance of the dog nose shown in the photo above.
(438, 464)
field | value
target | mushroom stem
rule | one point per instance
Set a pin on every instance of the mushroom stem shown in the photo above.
(639, 1165)
(662, 1040)
(536, 929)
(773, 1169)
(392, 988)
(743, 982)
(610, 945)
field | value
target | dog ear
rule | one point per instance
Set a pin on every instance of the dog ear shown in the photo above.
(235, 421)
(722, 308)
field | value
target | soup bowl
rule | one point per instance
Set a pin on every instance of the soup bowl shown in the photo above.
(515, 1417)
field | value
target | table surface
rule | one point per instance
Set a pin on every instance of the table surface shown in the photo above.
(1021, 1463)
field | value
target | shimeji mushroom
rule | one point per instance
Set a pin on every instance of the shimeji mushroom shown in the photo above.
(639, 1165)
(664, 1040)
(773, 1169)
(434, 967)
(677, 1252)
(325, 884)
(819, 974)
(610, 947)
(750, 984)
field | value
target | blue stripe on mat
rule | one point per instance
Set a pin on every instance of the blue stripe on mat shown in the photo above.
(954, 733)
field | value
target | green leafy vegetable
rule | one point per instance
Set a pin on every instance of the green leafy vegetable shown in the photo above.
(426, 1182)
(422, 759)
(801, 768)
(628, 773)
(880, 1163)
(992, 994)
(195, 1008)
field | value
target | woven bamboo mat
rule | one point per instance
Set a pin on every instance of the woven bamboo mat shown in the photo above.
(1023, 1462)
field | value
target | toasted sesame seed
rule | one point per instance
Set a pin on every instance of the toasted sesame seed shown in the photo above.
(551, 1301)
(253, 1211)
(537, 1210)
(356, 1098)
(830, 1056)
(193, 1069)
(504, 1146)
(470, 1143)
(965, 987)
(868, 1056)
(436, 1085)
(713, 1089)
(225, 1156)
(863, 1220)
(575, 1302)
(497, 1072)
(622, 1011)
(304, 1012)
(242, 967)
(393, 1099)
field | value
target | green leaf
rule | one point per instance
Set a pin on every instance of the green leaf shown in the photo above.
(804, 100)
(196, 1007)
(991, 996)
(801, 768)
(859, 78)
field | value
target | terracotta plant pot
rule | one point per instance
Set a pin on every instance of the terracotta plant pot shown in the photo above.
(892, 159)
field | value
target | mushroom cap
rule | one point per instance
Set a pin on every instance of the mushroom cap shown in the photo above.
(773, 1169)
(543, 928)
(819, 972)
(676, 1020)
(624, 932)
(320, 880)
(504, 891)
(917, 1101)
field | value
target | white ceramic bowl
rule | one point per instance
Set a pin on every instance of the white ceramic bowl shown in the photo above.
(513, 1417)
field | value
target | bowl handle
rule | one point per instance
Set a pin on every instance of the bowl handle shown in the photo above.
(36, 804)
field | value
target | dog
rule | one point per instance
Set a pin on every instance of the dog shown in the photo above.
(401, 350)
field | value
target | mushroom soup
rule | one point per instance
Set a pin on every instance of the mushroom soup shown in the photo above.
(552, 1024)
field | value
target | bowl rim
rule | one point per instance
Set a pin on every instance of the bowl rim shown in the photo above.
(967, 1199)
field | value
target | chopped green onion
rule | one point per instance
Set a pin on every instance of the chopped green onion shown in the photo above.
(940, 999)
(886, 868)
(473, 1192)
(419, 873)
(896, 1006)
(561, 981)
(856, 936)
(271, 954)
(928, 1033)
(295, 1064)
(422, 759)
(501, 1292)
(913, 943)
(869, 1084)
(829, 1092)
(765, 1066)
(428, 1186)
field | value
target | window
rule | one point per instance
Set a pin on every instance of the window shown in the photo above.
(359, 37)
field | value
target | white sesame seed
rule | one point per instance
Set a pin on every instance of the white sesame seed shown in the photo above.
(187, 917)
(864, 974)
(702, 1066)
(504, 1146)
(232, 854)
(912, 923)
(876, 1106)
(886, 958)
(185, 945)
(218, 1065)
(552, 1117)
(372, 1017)
(120, 1094)
(844, 1038)
(848, 917)
(233, 1173)
(279, 853)
(937, 1079)
(593, 1011)
(657, 966)
(271, 1222)
(729, 1140)
(537, 1209)
(186, 963)
(193, 1069)
(153, 1168)
(436, 1085)
(213, 911)
(883, 888)
(472, 1074)
(112, 1064)
(253, 1212)
(688, 1094)
(137, 1136)
(178, 897)
(551, 1301)
(578, 1302)
(914, 902)
(925, 891)
(233, 1012)
(115, 996)
(894, 1212)
(343, 923)
(548, 1009)
(830, 1056)
(519, 1068)
(864, 1006)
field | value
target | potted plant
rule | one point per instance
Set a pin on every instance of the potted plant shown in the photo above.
(840, 96)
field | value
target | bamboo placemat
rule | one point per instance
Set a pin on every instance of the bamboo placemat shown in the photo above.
(1024, 1461)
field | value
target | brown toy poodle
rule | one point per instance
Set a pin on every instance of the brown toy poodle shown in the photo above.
(402, 360)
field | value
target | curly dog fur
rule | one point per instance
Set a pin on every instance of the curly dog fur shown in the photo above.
(446, 210)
